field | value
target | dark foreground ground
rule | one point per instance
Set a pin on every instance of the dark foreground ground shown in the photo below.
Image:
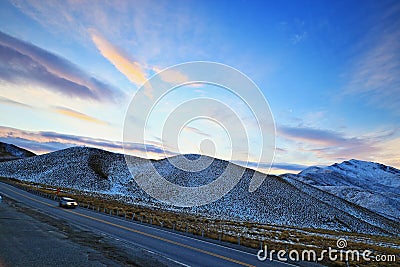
(29, 237)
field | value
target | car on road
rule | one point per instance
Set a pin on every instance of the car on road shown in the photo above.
(67, 202)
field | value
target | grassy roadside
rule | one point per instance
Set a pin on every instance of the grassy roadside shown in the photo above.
(248, 234)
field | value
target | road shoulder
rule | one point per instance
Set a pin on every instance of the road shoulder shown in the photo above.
(28, 237)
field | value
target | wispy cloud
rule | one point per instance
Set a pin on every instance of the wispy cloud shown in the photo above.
(174, 77)
(333, 146)
(288, 166)
(295, 30)
(298, 38)
(78, 115)
(196, 131)
(134, 71)
(24, 63)
(272, 168)
(315, 136)
(130, 68)
(8, 101)
(160, 32)
(375, 72)
(43, 141)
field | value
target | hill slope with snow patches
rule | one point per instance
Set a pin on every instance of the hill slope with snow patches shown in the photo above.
(12, 152)
(370, 185)
(277, 201)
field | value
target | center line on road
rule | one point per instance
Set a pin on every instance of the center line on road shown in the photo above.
(144, 233)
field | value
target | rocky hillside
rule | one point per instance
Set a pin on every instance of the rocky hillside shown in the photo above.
(370, 185)
(11, 152)
(276, 202)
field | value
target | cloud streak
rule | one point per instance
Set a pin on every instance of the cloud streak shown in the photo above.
(315, 136)
(288, 166)
(24, 63)
(11, 102)
(131, 69)
(78, 115)
(45, 141)
(265, 167)
(334, 146)
(196, 131)
(375, 73)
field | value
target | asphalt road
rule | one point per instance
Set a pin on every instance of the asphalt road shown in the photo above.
(29, 238)
(179, 249)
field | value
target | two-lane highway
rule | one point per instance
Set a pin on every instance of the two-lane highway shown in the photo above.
(181, 249)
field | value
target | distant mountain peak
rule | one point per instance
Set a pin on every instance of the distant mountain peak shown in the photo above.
(369, 184)
(360, 167)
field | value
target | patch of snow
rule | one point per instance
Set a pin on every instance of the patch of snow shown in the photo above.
(277, 201)
(370, 185)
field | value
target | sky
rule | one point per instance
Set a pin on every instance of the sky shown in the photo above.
(330, 71)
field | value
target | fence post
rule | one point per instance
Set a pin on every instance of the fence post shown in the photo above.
(239, 240)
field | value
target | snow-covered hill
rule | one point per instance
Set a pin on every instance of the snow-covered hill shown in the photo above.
(12, 152)
(275, 202)
(371, 185)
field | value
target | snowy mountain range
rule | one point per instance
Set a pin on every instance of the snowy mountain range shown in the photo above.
(370, 185)
(12, 152)
(283, 200)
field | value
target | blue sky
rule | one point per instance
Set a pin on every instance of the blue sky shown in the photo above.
(329, 70)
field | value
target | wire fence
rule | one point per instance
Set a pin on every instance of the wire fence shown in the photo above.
(188, 227)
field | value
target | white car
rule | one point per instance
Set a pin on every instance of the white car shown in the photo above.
(68, 202)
